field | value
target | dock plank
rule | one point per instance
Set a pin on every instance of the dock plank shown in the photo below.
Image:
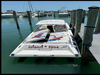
(95, 48)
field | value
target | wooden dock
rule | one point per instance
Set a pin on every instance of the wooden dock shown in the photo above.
(95, 48)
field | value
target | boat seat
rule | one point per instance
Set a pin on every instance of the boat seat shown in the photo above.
(38, 35)
(50, 28)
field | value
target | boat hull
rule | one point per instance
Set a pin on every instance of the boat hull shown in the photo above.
(45, 54)
(45, 43)
(45, 50)
(8, 15)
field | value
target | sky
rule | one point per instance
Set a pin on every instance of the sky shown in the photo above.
(22, 6)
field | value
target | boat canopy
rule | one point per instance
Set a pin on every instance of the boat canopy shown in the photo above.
(51, 22)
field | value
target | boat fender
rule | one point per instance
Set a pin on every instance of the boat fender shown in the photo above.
(12, 55)
(76, 55)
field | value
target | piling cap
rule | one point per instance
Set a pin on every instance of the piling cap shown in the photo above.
(74, 10)
(79, 9)
(93, 7)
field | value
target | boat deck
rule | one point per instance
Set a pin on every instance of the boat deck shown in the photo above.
(95, 48)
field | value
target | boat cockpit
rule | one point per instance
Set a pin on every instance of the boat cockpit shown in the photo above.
(43, 32)
(52, 28)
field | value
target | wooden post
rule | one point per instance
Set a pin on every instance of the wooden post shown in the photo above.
(38, 14)
(73, 20)
(20, 34)
(78, 22)
(70, 19)
(98, 23)
(54, 14)
(15, 17)
(83, 16)
(31, 28)
(88, 31)
(29, 17)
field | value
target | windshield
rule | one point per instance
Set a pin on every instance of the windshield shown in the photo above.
(59, 28)
(52, 28)
(42, 27)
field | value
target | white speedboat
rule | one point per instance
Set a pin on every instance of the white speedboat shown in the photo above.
(8, 15)
(63, 12)
(53, 38)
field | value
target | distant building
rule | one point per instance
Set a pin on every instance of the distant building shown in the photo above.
(9, 12)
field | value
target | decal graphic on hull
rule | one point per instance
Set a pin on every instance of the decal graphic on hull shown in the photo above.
(37, 36)
(55, 38)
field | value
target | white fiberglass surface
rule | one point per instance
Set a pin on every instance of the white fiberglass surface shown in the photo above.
(58, 37)
(51, 22)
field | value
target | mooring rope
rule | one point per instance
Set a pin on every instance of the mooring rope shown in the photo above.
(87, 45)
(90, 26)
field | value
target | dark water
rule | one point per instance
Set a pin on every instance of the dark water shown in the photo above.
(11, 37)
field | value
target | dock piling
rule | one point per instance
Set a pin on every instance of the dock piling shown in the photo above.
(98, 23)
(70, 19)
(29, 17)
(83, 16)
(38, 14)
(15, 17)
(88, 31)
(73, 20)
(78, 22)
(54, 14)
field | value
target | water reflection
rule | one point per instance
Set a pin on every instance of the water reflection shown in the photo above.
(57, 65)
(31, 28)
(10, 20)
(46, 60)
(20, 34)
(23, 20)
